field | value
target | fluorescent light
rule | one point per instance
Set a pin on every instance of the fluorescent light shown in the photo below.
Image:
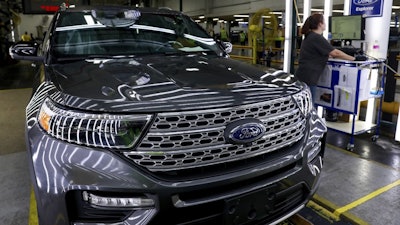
(241, 19)
(338, 11)
(317, 10)
(395, 7)
(202, 17)
(215, 19)
(244, 16)
(277, 13)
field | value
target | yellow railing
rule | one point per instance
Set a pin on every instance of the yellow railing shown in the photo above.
(241, 57)
(252, 57)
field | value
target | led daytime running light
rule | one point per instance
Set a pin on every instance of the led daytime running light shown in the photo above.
(117, 202)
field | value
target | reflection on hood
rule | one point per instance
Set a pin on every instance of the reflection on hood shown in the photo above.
(167, 83)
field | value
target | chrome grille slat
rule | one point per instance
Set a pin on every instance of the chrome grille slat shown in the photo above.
(218, 117)
(191, 139)
(184, 140)
(152, 141)
(167, 133)
(279, 121)
(171, 160)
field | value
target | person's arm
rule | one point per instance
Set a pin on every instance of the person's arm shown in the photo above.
(336, 53)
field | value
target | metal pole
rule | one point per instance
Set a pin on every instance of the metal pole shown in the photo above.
(327, 12)
(293, 38)
(306, 10)
(287, 55)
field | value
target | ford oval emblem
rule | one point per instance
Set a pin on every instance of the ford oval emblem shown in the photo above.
(244, 131)
(364, 2)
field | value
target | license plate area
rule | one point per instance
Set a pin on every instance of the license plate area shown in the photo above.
(250, 207)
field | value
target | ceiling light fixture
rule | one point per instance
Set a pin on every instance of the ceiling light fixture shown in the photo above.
(244, 16)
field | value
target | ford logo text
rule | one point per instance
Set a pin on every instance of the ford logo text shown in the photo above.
(364, 2)
(245, 131)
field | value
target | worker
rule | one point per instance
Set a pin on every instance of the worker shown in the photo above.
(224, 34)
(26, 37)
(242, 37)
(315, 51)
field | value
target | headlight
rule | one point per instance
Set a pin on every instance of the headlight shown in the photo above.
(97, 130)
(304, 101)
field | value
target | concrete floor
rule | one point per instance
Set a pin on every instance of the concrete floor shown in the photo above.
(358, 187)
(366, 190)
(14, 174)
(14, 189)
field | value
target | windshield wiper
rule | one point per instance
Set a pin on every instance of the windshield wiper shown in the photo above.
(174, 53)
(182, 53)
(85, 57)
(94, 56)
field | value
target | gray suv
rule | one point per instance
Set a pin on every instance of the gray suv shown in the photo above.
(139, 117)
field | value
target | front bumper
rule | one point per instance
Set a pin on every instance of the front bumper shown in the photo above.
(267, 192)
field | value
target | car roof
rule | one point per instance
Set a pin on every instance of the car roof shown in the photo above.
(162, 10)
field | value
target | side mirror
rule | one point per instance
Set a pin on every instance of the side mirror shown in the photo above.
(25, 51)
(227, 47)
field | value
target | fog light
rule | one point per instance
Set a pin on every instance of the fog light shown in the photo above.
(117, 202)
(314, 151)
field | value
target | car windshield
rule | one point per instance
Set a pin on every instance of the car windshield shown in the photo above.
(94, 33)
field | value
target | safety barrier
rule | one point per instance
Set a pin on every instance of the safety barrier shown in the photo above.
(240, 52)
(246, 56)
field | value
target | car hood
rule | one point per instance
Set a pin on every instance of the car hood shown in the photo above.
(165, 83)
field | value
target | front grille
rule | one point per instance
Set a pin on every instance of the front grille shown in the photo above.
(192, 139)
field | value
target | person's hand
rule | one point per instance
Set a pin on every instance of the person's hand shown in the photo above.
(360, 58)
